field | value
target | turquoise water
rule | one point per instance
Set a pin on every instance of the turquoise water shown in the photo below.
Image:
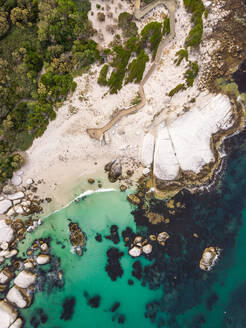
(95, 214)
(171, 291)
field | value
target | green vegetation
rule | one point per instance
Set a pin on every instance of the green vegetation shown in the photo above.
(178, 88)
(191, 73)
(125, 22)
(166, 26)
(136, 100)
(102, 79)
(181, 54)
(137, 67)
(152, 33)
(149, 38)
(120, 63)
(197, 9)
(36, 34)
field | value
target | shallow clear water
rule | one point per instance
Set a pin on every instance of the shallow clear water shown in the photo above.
(95, 214)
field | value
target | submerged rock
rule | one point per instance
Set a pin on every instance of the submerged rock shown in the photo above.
(209, 258)
(77, 238)
(133, 199)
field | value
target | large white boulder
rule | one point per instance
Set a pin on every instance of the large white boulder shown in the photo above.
(147, 249)
(4, 278)
(5, 205)
(43, 259)
(148, 149)
(15, 297)
(25, 279)
(6, 232)
(17, 324)
(135, 251)
(7, 314)
(17, 195)
(166, 166)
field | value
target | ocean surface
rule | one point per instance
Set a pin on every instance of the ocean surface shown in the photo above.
(165, 289)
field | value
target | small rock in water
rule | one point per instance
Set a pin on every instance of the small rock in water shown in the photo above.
(29, 181)
(98, 237)
(147, 249)
(123, 187)
(133, 199)
(91, 181)
(43, 259)
(209, 257)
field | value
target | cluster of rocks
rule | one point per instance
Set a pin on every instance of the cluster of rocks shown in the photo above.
(17, 282)
(209, 258)
(143, 246)
(77, 238)
(18, 199)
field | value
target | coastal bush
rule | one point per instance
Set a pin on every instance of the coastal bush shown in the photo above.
(119, 63)
(175, 90)
(166, 26)
(197, 9)
(152, 33)
(181, 54)
(125, 22)
(34, 34)
(102, 79)
(137, 67)
(191, 73)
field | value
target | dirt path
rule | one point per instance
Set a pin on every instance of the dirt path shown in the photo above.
(97, 133)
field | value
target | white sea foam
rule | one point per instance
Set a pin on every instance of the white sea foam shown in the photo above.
(83, 194)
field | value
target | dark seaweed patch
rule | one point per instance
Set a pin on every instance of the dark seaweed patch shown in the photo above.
(114, 235)
(98, 237)
(68, 308)
(94, 302)
(115, 306)
(113, 266)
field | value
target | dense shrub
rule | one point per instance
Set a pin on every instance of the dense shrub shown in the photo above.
(197, 9)
(102, 79)
(191, 73)
(166, 26)
(136, 68)
(125, 22)
(152, 33)
(181, 54)
(178, 88)
(33, 33)
(120, 63)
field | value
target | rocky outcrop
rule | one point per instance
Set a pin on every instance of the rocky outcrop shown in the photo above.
(185, 147)
(114, 170)
(77, 238)
(209, 258)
